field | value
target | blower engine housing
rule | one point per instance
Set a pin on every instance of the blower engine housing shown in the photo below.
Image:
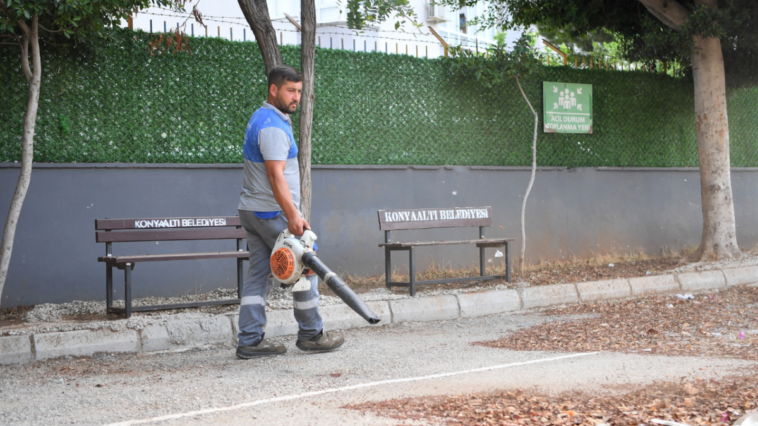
(286, 258)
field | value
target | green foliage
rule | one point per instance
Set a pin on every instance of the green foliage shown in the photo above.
(641, 36)
(115, 103)
(79, 20)
(498, 64)
(361, 13)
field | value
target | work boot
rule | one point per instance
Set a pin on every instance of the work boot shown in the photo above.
(264, 348)
(323, 342)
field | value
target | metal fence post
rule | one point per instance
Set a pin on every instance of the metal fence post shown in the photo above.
(387, 261)
(412, 270)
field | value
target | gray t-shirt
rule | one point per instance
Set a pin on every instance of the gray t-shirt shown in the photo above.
(264, 142)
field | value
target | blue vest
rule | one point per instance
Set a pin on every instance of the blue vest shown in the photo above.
(261, 119)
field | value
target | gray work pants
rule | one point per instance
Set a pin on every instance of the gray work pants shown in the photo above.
(261, 236)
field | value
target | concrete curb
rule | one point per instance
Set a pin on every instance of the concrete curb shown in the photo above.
(549, 295)
(222, 329)
(604, 290)
(657, 284)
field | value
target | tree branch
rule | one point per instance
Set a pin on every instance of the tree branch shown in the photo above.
(22, 24)
(24, 42)
(669, 12)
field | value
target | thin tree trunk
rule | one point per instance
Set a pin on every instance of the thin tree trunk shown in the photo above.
(719, 238)
(34, 77)
(531, 181)
(256, 14)
(307, 65)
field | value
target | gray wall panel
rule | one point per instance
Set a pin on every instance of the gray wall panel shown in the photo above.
(576, 212)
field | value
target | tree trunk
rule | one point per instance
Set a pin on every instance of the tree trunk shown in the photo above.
(34, 77)
(719, 238)
(256, 14)
(521, 261)
(307, 64)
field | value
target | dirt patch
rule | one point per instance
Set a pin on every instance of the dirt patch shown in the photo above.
(722, 324)
(694, 402)
(13, 316)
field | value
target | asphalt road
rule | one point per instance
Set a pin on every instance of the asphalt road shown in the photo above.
(212, 386)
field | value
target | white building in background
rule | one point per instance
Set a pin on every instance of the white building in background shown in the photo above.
(224, 18)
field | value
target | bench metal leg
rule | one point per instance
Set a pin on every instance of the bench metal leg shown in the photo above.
(482, 265)
(108, 287)
(128, 290)
(412, 269)
(507, 262)
(387, 267)
(240, 277)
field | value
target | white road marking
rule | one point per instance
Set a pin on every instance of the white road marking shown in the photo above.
(342, 389)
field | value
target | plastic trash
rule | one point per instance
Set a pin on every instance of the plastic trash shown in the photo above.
(717, 334)
(749, 419)
(742, 334)
(498, 253)
(611, 265)
(648, 272)
(670, 305)
(685, 296)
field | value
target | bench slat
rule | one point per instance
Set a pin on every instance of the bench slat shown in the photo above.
(174, 256)
(166, 222)
(487, 242)
(170, 235)
(390, 220)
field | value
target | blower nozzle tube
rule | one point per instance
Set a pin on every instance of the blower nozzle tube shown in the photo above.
(339, 287)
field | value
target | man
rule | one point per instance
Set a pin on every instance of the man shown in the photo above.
(269, 204)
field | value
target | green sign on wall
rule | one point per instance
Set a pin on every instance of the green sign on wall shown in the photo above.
(568, 107)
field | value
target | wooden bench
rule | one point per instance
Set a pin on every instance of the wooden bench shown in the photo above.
(111, 231)
(395, 220)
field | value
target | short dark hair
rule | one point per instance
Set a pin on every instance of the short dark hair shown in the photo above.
(281, 73)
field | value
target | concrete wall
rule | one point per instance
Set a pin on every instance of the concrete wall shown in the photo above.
(570, 212)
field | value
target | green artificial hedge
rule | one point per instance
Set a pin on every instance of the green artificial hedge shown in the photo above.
(116, 103)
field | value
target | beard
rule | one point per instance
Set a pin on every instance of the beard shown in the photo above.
(287, 109)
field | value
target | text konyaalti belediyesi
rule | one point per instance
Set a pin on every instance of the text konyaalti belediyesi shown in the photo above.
(435, 214)
(179, 223)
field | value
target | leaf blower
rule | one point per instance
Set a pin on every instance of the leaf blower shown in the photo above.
(293, 257)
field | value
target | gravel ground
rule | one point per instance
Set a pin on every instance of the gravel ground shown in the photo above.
(104, 389)
(77, 311)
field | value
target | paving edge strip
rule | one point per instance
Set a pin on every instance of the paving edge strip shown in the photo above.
(183, 334)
